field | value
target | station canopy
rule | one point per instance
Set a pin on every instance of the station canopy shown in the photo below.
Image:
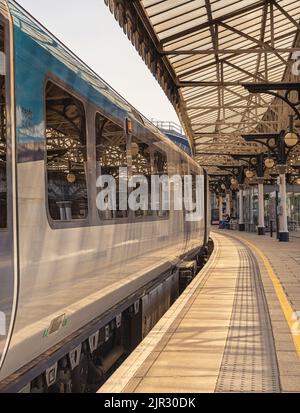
(202, 52)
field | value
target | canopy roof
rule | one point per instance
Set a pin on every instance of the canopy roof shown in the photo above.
(202, 51)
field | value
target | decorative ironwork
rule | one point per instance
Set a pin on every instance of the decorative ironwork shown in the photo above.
(274, 143)
(272, 89)
(202, 53)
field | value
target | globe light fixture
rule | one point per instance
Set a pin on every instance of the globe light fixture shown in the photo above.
(272, 143)
(71, 178)
(291, 138)
(269, 163)
(249, 174)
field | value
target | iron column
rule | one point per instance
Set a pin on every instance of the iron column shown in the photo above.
(261, 207)
(220, 208)
(283, 226)
(241, 208)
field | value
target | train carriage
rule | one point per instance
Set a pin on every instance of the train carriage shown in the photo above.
(74, 278)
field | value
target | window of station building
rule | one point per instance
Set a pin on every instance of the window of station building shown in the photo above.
(111, 155)
(3, 135)
(141, 165)
(66, 155)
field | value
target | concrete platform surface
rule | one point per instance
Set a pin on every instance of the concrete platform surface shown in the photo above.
(230, 331)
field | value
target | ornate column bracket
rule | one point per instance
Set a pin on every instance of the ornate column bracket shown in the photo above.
(258, 166)
(262, 138)
(274, 142)
(273, 89)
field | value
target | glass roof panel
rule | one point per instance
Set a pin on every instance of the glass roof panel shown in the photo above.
(208, 48)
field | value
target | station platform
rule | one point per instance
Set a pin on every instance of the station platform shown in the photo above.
(234, 329)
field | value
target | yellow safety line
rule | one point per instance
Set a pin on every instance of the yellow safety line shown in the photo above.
(286, 307)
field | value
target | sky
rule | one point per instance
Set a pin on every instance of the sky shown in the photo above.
(91, 32)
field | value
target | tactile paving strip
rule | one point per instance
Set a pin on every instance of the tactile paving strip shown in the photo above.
(249, 363)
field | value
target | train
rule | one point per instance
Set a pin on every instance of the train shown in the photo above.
(79, 287)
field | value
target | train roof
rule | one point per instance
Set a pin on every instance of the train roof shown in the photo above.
(40, 34)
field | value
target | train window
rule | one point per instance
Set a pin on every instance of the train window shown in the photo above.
(3, 137)
(160, 163)
(184, 168)
(66, 155)
(194, 189)
(110, 156)
(189, 188)
(141, 165)
(138, 116)
(184, 171)
(161, 168)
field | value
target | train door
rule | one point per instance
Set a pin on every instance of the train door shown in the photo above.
(207, 208)
(184, 171)
(7, 283)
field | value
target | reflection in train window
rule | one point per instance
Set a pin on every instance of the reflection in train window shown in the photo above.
(194, 189)
(110, 156)
(66, 155)
(184, 168)
(3, 142)
(161, 168)
(160, 163)
(141, 165)
(184, 171)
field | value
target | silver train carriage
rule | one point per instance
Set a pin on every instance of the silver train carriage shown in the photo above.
(68, 272)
